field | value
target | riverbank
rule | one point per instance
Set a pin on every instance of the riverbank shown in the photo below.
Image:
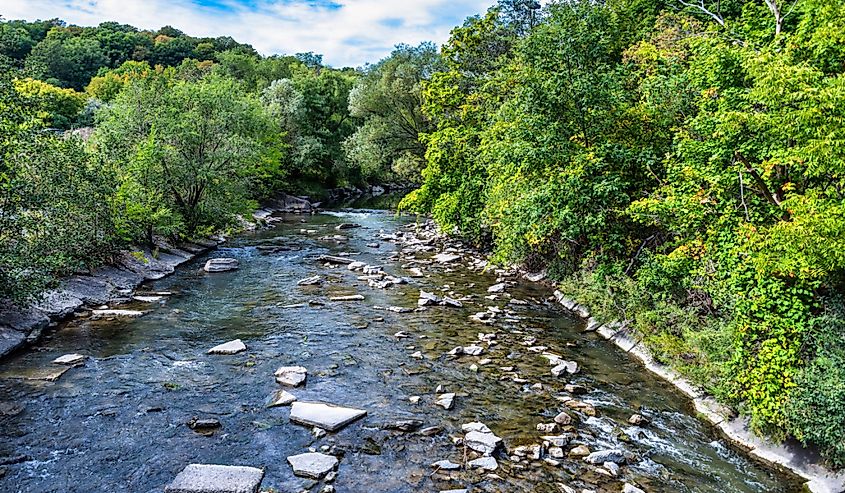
(789, 457)
(115, 283)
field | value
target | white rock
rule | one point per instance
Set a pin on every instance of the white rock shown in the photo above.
(446, 465)
(292, 376)
(487, 463)
(282, 398)
(69, 359)
(446, 401)
(221, 264)
(352, 297)
(326, 416)
(569, 367)
(312, 464)
(231, 347)
(484, 443)
(473, 350)
(95, 314)
(148, 299)
(629, 488)
(205, 478)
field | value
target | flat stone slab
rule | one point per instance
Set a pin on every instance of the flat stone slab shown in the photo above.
(221, 264)
(148, 299)
(231, 347)
(312, 465)
(325, 416)
(205, 478)
(44, 374)
(292, 376)
(445, 258)
(69, 359)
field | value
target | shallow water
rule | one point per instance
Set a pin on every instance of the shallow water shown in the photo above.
(117, 423)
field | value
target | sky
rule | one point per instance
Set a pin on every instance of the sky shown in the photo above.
(346, 32)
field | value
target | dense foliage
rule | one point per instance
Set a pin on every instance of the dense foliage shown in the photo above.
(675, 164)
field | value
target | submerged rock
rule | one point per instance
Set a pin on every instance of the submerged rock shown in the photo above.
(310, 281)
(221, 264)
(292, 376)
(326, 416)
(312, 464)
(232, 347)
(204, 478)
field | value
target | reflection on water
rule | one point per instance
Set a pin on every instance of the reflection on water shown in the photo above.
(117, 423)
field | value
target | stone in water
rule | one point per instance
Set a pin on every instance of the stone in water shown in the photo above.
(204, 478)
(221, 264)
(326, 416)
(312, 465)
(282, 398)
(231, 347)
(292, 376)
(69, 359)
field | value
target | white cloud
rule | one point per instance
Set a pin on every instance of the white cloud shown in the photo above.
(346, 32)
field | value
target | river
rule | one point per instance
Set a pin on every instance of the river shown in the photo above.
(118, 421)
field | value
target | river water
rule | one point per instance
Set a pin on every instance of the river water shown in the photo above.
(118, 422)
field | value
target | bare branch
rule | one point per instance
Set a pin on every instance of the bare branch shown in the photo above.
(701, 7)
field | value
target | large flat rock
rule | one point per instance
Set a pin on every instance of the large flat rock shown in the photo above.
(325, 416)
(221, 264)
(205, 478)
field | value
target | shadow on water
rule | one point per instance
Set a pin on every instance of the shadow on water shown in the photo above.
(117, 422)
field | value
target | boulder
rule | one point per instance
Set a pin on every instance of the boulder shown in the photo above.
(221, 264)
(205, 478)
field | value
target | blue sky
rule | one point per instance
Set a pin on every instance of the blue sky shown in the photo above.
(346, 32)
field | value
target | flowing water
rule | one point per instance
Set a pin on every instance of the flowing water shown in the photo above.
(118, 422)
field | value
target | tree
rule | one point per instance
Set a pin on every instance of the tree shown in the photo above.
(388, 99)
(200, 144)
(66, 60)
(56, 107)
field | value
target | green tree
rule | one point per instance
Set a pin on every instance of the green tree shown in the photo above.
(66, 60)
(388, 99)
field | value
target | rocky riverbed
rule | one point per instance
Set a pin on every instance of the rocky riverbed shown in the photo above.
(353, 352)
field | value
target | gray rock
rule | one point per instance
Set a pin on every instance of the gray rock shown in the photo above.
(427, 298)
(97, 314)
(204, 478)
(487, 463)
(330, 259)
(451, 302)
(497, 288)
(629, 488)
(569, 367)
(310, 281)
(221, 264)
(638, 420)
(473, 350)
(231, 347)
(446, 258)
(292, 376)
(600, 457)
(446, 465)
(326, 416)
(343, 226)
(312, 465)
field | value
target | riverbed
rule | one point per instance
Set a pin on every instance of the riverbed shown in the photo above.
(118, 421)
